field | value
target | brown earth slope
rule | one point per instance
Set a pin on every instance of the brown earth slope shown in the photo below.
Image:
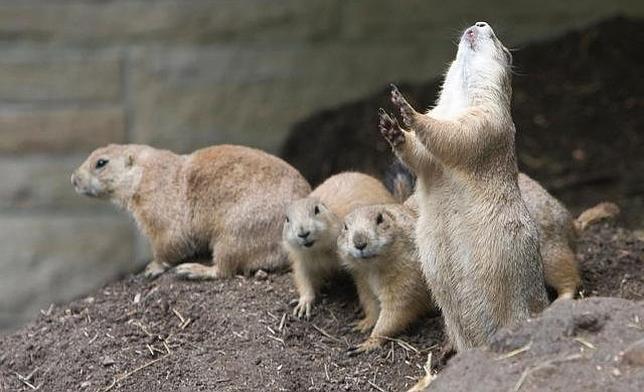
(238, 335)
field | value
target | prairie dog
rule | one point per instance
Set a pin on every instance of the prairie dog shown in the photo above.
(312, 226)
(225, 200)
(557, 232)
(478, 244)
(377, 247)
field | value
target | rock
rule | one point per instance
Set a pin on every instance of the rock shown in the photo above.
(50, 258)
(261, 275)
(60, 130)
(555, 359)
(107, 361)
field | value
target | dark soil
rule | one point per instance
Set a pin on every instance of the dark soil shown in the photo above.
(578, 107)
(612, 266)
(233, 340)
(573, 346)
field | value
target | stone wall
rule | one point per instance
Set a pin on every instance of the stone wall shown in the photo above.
(181, 74)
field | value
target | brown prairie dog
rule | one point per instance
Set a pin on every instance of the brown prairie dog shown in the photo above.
(312, 227)
(478, 244)
(377, 247)
(557, 233)
(225, 200)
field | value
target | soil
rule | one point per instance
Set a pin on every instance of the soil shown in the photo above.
(578, 107)
(173, 335)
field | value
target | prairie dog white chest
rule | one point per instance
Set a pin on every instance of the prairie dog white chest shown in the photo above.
(374, 282)
(454, 99)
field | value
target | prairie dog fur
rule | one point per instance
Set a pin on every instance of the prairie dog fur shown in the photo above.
(478, 243)
(377, 247)
(557, 233)
(225, 200)
(312, 226)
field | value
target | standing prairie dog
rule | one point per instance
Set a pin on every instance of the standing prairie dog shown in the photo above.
(557, 230)
(312, 226)
(478, 244)
(377, 247)
(225, 200)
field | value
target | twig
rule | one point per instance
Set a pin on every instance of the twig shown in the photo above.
(325, 333)
(427, 379)
(585, 342)
(143, 328)
(282, 323)
(528, 371)
(375, 386)
(167, 348)
(48, 311)
(25, 381)
(130, 373)
(185, 324)
(326, 372)
(277, 339)
(176, 313)
(515, 352)
(402, 344)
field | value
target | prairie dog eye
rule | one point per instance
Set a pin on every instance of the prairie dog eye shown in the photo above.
(287, 220)
(316, 210)
(345, 227)
(379, 219)
(101, 163)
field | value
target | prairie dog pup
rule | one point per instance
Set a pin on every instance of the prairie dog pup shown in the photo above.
(225, 200)
(478, 243)
(312, 226)
(377, 247)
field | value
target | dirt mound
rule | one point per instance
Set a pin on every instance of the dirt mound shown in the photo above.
(578, 107)
(572, 346)
(238, 335)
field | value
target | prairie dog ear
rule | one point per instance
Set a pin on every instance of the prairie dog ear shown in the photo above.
(129, 160)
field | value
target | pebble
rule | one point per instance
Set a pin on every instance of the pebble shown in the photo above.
(108, 361)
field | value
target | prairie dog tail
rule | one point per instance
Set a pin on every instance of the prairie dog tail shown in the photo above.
(400, 181)
(595, 214)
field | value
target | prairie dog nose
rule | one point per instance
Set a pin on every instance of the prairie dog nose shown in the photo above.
(360, 244)
(74, 179)
(303, 234)
(480, 24)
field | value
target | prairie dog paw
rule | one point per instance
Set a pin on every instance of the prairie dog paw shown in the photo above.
(154, 269)
(406, 111)
(363, 325)
(196, 271)
(366, 346)
(303, 308)
(390, 129)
